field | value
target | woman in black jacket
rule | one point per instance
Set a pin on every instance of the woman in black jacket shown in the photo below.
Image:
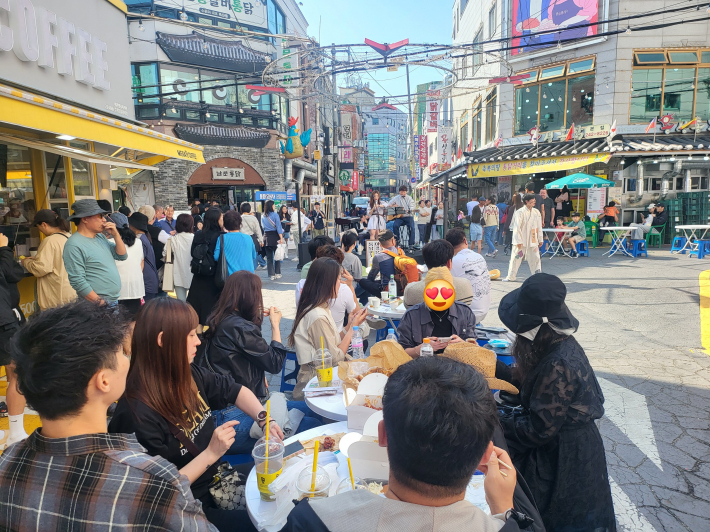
(235, 348)
(204, 293)
(554, 441)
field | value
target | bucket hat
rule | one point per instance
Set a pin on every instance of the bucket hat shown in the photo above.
(482, 360)
(540, 299)
(84, 208)
(139, 221)
(120, 219)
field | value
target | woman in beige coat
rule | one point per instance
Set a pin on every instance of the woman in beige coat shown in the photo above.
(53, 288)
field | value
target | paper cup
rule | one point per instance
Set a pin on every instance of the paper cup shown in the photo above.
(374, 302)
(385, 296)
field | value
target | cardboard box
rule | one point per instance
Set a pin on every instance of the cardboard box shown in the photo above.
(361, 404)
(368, 459)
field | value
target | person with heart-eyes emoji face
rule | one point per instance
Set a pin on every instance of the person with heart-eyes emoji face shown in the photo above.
(440, 318)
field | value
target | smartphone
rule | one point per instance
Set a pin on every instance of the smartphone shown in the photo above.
(293, 450)
(445, 340)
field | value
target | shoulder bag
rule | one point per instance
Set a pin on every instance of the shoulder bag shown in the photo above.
(227, 487)
(168, 268)
(221, 273)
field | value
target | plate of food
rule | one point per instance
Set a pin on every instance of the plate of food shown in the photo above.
(328, 442)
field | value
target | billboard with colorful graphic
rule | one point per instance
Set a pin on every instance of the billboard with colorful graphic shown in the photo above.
(535, 22)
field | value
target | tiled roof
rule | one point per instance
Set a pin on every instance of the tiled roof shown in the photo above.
(223, 136)
(208, 51)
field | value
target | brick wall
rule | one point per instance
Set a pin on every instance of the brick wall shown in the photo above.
(170, 179)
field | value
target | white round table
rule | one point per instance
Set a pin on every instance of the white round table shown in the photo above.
(618, 234)
(556, 247)
(689, 232)
(328, 406)
(384, 311)
(259, 510)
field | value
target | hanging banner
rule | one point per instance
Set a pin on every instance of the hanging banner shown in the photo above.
(432, 110)
(355, 183)
(531, 166)
(423, 151)
(347, 130)
(444, 147)
(251, 13)
(504, 188)
(288, 64)
(346, 155)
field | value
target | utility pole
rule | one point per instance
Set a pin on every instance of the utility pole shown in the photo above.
(318, 145)
(411, 122)
(336, 128)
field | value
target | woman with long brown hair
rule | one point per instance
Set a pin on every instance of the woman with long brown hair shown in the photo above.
(169, 401)
(376, 212)
(235, 348)
(314, 321)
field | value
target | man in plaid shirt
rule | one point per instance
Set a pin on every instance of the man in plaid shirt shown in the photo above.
(71, 474)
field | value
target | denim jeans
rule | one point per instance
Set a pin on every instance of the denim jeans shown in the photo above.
(422, 232)
(243, 443)
(259, 261)
(489, 234)
(409, 222)
(500, 237)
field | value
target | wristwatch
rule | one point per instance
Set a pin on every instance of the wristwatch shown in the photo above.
(523, 520)
(261, 417)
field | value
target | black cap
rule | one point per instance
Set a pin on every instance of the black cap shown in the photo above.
(139, 221)
(44, 216)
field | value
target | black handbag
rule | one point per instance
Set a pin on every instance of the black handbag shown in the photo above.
(257, 246)
(221, 273)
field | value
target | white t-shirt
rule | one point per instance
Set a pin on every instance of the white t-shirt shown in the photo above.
(132, 286)
(338, 306)
(472, 266)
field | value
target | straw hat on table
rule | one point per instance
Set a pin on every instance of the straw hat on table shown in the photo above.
(483, 360)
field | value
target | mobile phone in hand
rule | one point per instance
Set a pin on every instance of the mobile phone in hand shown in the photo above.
(445, 340)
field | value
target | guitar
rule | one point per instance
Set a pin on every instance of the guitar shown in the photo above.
(394, 212)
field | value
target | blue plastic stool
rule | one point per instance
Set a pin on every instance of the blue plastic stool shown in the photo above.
(544, 248)
(285, 387)
(615, 246)
(638, 248)
(702, 248)
(678, 243)
(582, 248)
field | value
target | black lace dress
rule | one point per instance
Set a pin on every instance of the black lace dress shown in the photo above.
(556, 445)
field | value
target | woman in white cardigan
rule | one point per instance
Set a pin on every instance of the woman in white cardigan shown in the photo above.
(314, 321)
(181, 244)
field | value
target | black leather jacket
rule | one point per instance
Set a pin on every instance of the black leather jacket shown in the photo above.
(237, 349)
(11, 273)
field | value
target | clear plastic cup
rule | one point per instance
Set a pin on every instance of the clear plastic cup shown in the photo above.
(268, 469)
(305, 481)
(323, 361)
(346, 485)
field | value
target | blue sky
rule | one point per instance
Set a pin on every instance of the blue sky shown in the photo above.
(384, 21)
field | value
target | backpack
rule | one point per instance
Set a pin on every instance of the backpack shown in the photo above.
(406, 268)
(202, 263)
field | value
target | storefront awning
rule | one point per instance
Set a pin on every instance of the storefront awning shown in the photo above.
(73, 153)
(24, 109)
(535, 165)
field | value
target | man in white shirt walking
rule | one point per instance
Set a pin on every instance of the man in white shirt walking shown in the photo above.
(527, 238)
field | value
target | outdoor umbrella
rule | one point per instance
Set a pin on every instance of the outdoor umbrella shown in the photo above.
(580, 180)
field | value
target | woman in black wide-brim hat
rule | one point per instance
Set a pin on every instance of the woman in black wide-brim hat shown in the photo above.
(554, 442)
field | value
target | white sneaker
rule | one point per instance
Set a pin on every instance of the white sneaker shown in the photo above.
(22, 436)
(278, 276)
(272, 277)
(295, 259)
(3, 439)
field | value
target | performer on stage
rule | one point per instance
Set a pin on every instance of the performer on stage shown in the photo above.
(407, 203)
(376, 212)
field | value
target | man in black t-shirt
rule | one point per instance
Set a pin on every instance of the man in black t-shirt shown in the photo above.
(548, 219)
(539, 203)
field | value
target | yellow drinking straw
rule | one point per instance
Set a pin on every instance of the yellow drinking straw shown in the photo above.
(352, 478)
(322, 351)
(315, 464)
(266, 462)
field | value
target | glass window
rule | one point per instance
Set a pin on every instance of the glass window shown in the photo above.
(491, 123)
(552, 105)
(649, 58)
(464, 137)
(646, 94)
(82, 178)
(215, 90)
(18, 204)
(230, 119)
(533, 76)
(280, 22)
(205, 20)
(271, 15)
(263, 122)
(552, 72)
(145, 82)
(211, 117)
(492, 24)
(580, 101)
(678, 93)
(180, 83)
(477, 57)
(705, 57)
(284, 110)
(172, 112)
(702, 103)
(147, 112)
(56, 180)
(683, 57)
(223, 24)
(526, 100)
(581, 66)
(477, 125)
(192, 115)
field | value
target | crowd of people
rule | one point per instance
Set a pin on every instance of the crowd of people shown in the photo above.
(183, 379)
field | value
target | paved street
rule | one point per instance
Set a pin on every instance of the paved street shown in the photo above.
(640, 327)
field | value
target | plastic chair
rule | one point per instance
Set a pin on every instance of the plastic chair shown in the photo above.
(657, 237)
(679, 243)
(638, 248)
(593, 232)
(582, 249)
(285, 387)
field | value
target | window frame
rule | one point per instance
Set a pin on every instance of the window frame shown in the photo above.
(492, 28)
(542, 77)
(695, 51)
(593, 67)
